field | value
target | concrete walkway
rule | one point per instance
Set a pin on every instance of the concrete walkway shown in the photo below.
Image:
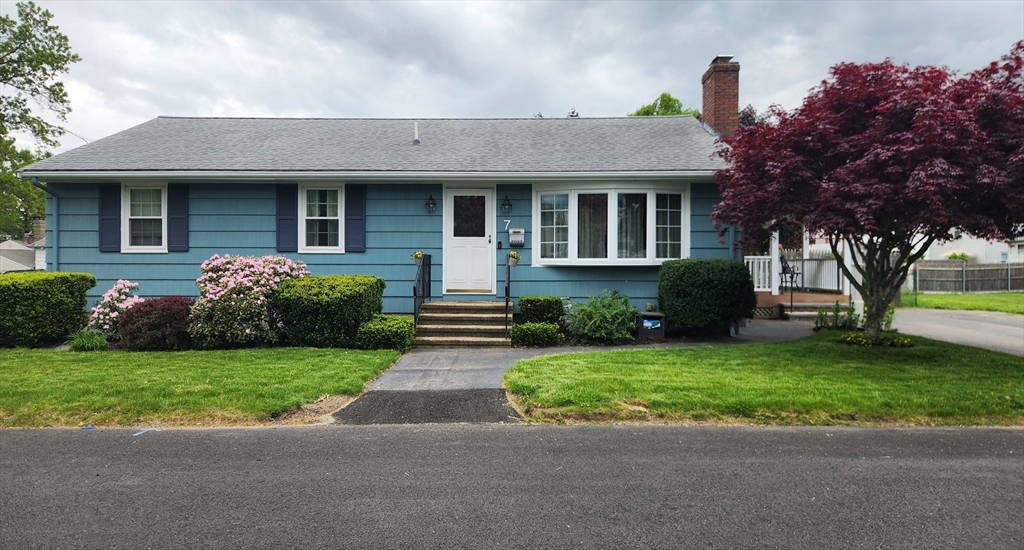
(465, 384)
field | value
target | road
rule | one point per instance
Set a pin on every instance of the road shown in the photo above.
(991, 330)
(513, 486)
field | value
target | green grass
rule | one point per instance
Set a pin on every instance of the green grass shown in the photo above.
(816, 380)
(40, 387)
(1006, 302)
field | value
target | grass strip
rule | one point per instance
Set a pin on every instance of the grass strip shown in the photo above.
(1006, 302)
(41, 387)
(813, 381)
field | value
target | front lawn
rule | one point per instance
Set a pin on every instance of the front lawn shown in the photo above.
(40, 387)
(816, 380)
(1007, 302)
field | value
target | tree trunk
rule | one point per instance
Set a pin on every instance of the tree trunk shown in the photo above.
(875, 307)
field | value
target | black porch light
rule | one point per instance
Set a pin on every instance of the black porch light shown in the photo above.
(506, 205)
(431, 204)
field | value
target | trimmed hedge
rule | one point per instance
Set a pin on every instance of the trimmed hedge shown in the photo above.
(325, 311)
(156, 325)
(703, 295)
(38, 308)
(536, 335)
(542, 309)
(387, 332)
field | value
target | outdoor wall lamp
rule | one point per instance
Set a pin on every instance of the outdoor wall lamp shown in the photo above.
(506, 205)
(431, 204)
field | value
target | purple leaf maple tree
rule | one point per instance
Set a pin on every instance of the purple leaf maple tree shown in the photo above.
(887, 159)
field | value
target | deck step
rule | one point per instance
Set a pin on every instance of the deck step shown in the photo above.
(460, 330)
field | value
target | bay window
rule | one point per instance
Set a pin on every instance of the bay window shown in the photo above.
(622, 225)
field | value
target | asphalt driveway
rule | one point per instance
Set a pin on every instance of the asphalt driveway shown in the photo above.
(984, 329)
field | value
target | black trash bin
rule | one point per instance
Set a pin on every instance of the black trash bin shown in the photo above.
(650, 325)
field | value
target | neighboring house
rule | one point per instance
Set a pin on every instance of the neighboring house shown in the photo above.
(603, 201)
(16, 256)
(979, 251)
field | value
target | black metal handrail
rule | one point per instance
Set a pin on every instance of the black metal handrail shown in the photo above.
(508, 292)
(421, 287)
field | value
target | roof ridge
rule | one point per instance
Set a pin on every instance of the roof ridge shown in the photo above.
(175, 117)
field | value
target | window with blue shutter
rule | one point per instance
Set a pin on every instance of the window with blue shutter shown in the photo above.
(110, 218)
(177, 218)
(355, 218)
(287, 218)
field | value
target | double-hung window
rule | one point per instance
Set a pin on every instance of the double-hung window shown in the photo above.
(320, 219)
(623, 225)
(144, 215)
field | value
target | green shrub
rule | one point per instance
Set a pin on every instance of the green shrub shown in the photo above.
(156, 325)
(233, 309)
(387, 332)
(325, 311)
(606, 319)
(536, 335)
(88, 340)
(702, 296)
(542, 309)
(39, 308)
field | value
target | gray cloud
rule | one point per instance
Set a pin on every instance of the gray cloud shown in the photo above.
(418, 59)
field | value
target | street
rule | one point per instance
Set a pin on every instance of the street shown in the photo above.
(513, 486)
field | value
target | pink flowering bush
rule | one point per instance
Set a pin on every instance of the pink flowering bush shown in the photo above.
(233, 309)
(115, 301)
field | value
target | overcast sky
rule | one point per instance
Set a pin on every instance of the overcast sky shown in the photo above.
(484, 59)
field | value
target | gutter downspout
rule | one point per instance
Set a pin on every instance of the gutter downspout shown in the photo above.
(56, 221)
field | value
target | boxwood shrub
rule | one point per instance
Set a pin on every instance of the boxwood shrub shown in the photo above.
(701, 296)
(541, 309)
(387, 332)
(536, 335)
(156, 325)
(325, 311)
(40, 308)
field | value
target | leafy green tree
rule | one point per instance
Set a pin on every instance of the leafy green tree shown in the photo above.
(33, 53)
(20, 201)
(665, 105)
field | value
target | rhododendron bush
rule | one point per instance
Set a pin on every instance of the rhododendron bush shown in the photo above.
(115, 301)
(233, 309)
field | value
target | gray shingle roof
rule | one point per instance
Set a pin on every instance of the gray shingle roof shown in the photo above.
(385, 145)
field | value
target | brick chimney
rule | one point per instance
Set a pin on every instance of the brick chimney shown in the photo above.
(721, 109)
(38, 229)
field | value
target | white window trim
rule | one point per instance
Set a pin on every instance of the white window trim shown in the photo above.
(332, 186)
(126, 237)
(612, 188)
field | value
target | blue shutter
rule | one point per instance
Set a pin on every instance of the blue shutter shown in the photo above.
(355, 218)
(177, 217)
(288, 217)
(110, 218)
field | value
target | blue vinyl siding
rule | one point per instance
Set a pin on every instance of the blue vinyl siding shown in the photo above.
(240, 219)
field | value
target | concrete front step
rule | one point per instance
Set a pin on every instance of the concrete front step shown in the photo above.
(478, 319)
(448, 329)
(461, 324)
(460, 342)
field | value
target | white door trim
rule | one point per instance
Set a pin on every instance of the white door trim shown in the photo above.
(450, 261)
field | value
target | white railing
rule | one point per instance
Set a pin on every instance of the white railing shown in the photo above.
(760, 271)
(819, 274)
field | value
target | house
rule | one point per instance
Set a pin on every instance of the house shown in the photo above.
(601, 202)
(978, 250)
(16, 256)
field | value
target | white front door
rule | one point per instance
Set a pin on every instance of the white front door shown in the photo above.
(468, 237)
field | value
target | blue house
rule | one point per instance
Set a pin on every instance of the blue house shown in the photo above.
(599, 203)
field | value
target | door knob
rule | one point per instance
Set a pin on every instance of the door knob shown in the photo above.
(488, 239)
